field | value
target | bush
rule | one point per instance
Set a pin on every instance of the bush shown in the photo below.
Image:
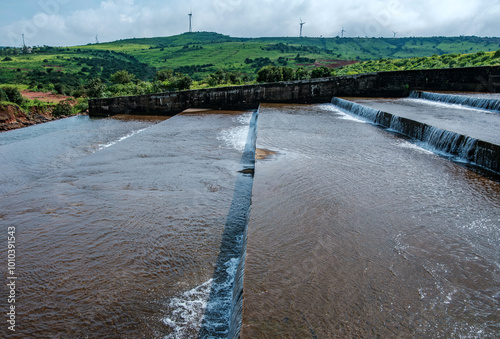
(3, 95)
(7, 59)
(320, 72)
(270, 74)
(13, 95)
(497, 54)
(95, 88)
(302, 74)
(82, 105)
(164, 75)
(122, 77)
(61, 89)
(63, 108)
(183, 82)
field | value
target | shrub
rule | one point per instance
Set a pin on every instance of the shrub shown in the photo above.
(183, 82)
(82, 105)
(320, 72)
(14, 95)
(63, 108)
(7, 59)
(61, 88)
(95, 88)
(301, 74)
(3, 95)
(164, 75)
(497, 54)
(270, 74)
(122, 77)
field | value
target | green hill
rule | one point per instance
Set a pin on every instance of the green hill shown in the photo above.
(200, 54)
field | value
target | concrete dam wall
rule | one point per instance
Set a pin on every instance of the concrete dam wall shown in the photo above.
(382, 84)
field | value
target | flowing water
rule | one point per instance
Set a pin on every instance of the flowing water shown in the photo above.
(489, 101)
(358, 233)
(119, 223)
(476, 123)
(131, 228)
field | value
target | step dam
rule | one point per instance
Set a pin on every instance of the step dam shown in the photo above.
(291, 221)
(340, 214)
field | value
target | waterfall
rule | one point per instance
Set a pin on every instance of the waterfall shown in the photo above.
(474, 102)
(441, 141)
(368, 113)
(450, 143)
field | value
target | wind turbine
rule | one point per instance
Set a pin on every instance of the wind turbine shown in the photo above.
(394, 33)
(301, 24)
(96, 39)
(190, 17)
(342, 32)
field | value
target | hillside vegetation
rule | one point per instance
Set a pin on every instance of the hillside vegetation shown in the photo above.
(433, 62)
(199, 54)
(202, 59)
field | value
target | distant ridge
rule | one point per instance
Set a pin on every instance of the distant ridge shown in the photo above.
(202, 54)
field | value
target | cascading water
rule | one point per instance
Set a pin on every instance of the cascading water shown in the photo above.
(450, 143)
(222, 316)
(461, 147)
(370, 114)
(469, 101)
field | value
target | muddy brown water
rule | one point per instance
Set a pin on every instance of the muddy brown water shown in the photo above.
(354, 231)
(358, 233)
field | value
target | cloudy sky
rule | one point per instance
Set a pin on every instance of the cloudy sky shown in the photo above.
(77, 22)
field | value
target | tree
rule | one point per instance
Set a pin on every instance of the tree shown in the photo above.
(320, 72)
(164, 75)
(302, 74)
(270, 74)
(13, 95)
(122, 77)
(95, 88)
(63, 108)
(3, 95)
(287, 73)
(183, 82)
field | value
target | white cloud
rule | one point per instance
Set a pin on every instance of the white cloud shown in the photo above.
(65, 22)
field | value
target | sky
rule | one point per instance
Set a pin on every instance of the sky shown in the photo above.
(78, 22)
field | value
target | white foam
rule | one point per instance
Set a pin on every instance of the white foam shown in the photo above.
(114, 142)
(345, 116)
(412, 146)
(189, 308)
(444, 105)
(341, 115)
(236, 137)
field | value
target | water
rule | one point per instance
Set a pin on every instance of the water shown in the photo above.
(124, 230)
(475, 123)
(489, 101)
(355, 232)
(119, 222)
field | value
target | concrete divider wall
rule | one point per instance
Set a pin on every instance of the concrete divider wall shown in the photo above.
(382, 84)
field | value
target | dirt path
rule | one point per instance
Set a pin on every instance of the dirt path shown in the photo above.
(44, 96)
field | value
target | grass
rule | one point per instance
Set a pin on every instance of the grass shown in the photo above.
(433, 62)
(205, 48)
(202, 53)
